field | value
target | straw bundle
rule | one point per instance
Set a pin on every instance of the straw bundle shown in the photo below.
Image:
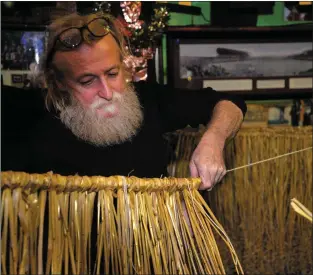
(140, 226)
(253, 204)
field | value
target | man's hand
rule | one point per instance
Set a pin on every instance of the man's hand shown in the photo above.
(207, 161)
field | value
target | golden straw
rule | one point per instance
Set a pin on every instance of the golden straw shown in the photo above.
(253, 204)
(301, 209)
(141, 226)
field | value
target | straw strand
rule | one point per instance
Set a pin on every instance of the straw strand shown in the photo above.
(269, 159)
(301, 209)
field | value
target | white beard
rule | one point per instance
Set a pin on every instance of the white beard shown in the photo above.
(88, 125)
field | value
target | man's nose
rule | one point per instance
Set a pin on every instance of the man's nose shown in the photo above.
(105, 90)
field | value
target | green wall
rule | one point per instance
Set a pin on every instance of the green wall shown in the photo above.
(275, 19)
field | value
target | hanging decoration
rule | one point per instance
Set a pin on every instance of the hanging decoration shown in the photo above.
(142, 35)
(102, 6)
(131, 12)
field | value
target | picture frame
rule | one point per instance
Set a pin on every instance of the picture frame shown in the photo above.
(17, 78)
(297, 11)
(20, 48)
(253, 62)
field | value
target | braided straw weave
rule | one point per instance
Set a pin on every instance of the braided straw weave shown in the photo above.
(253, 203)
(140, 226)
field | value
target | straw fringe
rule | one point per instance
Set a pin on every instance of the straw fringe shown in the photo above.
(146, 232)
(253, 204)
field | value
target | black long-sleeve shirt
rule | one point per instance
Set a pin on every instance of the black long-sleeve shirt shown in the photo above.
(45, 144)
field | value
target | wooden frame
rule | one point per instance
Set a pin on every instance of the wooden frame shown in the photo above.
(253, 86)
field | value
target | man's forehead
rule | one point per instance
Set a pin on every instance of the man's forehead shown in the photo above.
(104, 50)
(106, 43)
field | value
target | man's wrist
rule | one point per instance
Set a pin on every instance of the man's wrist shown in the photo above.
(216, 135)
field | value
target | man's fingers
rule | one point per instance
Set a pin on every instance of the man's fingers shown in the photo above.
(210, 177)
(207, 177)
(209, 174)
(193, 170)
(220, 174)
(223, 174)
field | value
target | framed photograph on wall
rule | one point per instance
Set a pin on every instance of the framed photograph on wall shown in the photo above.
(298, 10)
(244, 60)
(247, 61)
(22, 49)
(17, 78)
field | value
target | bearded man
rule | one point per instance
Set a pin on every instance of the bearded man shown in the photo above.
(100, 123)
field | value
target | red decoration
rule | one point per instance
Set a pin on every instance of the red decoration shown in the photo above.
(141, 36)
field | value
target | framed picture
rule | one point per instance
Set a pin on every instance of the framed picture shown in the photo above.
(242, 60)
(271, 62)
(298, 10)
(17, 78)
(21, 48)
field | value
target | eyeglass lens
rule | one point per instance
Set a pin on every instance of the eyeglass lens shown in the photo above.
(98, 27)
(72, 37)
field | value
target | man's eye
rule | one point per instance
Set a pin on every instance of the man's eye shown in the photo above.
(87, 82)
(113, 74)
